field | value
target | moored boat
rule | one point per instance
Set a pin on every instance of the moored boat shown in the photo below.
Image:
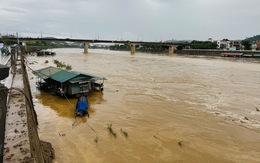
(231, 54)
(45, 52)
(82, 106)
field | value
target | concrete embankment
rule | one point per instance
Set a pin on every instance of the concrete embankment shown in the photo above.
(21, 140)
(208, 52)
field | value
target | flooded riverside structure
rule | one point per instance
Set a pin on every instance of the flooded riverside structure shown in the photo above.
(173, 109)
(58, 81)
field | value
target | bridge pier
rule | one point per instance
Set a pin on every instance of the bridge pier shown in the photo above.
(132, 49)
(86, 47)
(171, 49)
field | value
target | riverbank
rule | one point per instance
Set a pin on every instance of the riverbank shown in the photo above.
(215, 52)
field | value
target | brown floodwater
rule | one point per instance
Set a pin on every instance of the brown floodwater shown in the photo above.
(174, 109)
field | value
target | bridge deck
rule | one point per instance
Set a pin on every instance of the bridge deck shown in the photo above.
(27, 39)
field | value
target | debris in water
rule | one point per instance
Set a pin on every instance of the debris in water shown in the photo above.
(124, 132)
(155, 137)
(257, 109)
(96, 140)
(35, 100)
(62, 134)
(180, 143)
(246, 118)
(109, 127)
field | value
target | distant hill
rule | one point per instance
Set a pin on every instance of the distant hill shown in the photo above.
(254, 38)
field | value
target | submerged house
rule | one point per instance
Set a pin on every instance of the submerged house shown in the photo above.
(59, 81)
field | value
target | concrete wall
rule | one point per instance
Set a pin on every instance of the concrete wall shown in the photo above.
(211, 52)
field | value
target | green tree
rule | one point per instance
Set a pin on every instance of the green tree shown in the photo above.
(247, 44)
(8, 42)
(203, 45)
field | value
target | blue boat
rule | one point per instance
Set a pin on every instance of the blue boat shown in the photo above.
(82, 107)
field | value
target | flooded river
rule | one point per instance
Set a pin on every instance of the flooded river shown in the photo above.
(174, 109)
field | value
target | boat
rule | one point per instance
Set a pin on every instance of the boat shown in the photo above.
(45, 52)
(256, 55)
(230, 54)
(247, 55)
(58, 81)
(82, 107)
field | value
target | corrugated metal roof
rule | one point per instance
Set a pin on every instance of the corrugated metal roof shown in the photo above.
(93, 77)
(62, 75)
(54, 73)
(45, 73)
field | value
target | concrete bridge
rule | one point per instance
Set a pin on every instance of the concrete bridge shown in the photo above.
(86, 42)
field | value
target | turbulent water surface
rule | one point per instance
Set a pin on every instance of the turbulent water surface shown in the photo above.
(174, 109)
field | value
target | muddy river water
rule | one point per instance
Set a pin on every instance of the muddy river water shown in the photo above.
(174, 109)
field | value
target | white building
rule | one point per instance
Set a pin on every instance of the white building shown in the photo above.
(223, 44)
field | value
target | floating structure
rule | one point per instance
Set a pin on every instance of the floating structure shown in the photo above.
(230, 54)
(244, 55)
(256, 55)
(247, 55)
(45, 52)
(58, 81)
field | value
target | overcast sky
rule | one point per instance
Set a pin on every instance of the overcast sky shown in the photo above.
(146, 20)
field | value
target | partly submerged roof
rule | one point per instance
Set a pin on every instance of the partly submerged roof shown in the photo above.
(62, 75)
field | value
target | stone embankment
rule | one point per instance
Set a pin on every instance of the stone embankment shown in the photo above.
(21, 140)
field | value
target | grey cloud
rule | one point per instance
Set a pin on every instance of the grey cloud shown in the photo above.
(146, 19)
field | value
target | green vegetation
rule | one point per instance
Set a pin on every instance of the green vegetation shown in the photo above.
(180, 143)
(143, 48)
(57, 44)
(109, 127)
(38, 43)
(247, 44)
(254, 38)
(203, 45)
(124, 132)
(120, 47)
(152, 48)
(8, 42)
(62, 64)
(96, 140)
